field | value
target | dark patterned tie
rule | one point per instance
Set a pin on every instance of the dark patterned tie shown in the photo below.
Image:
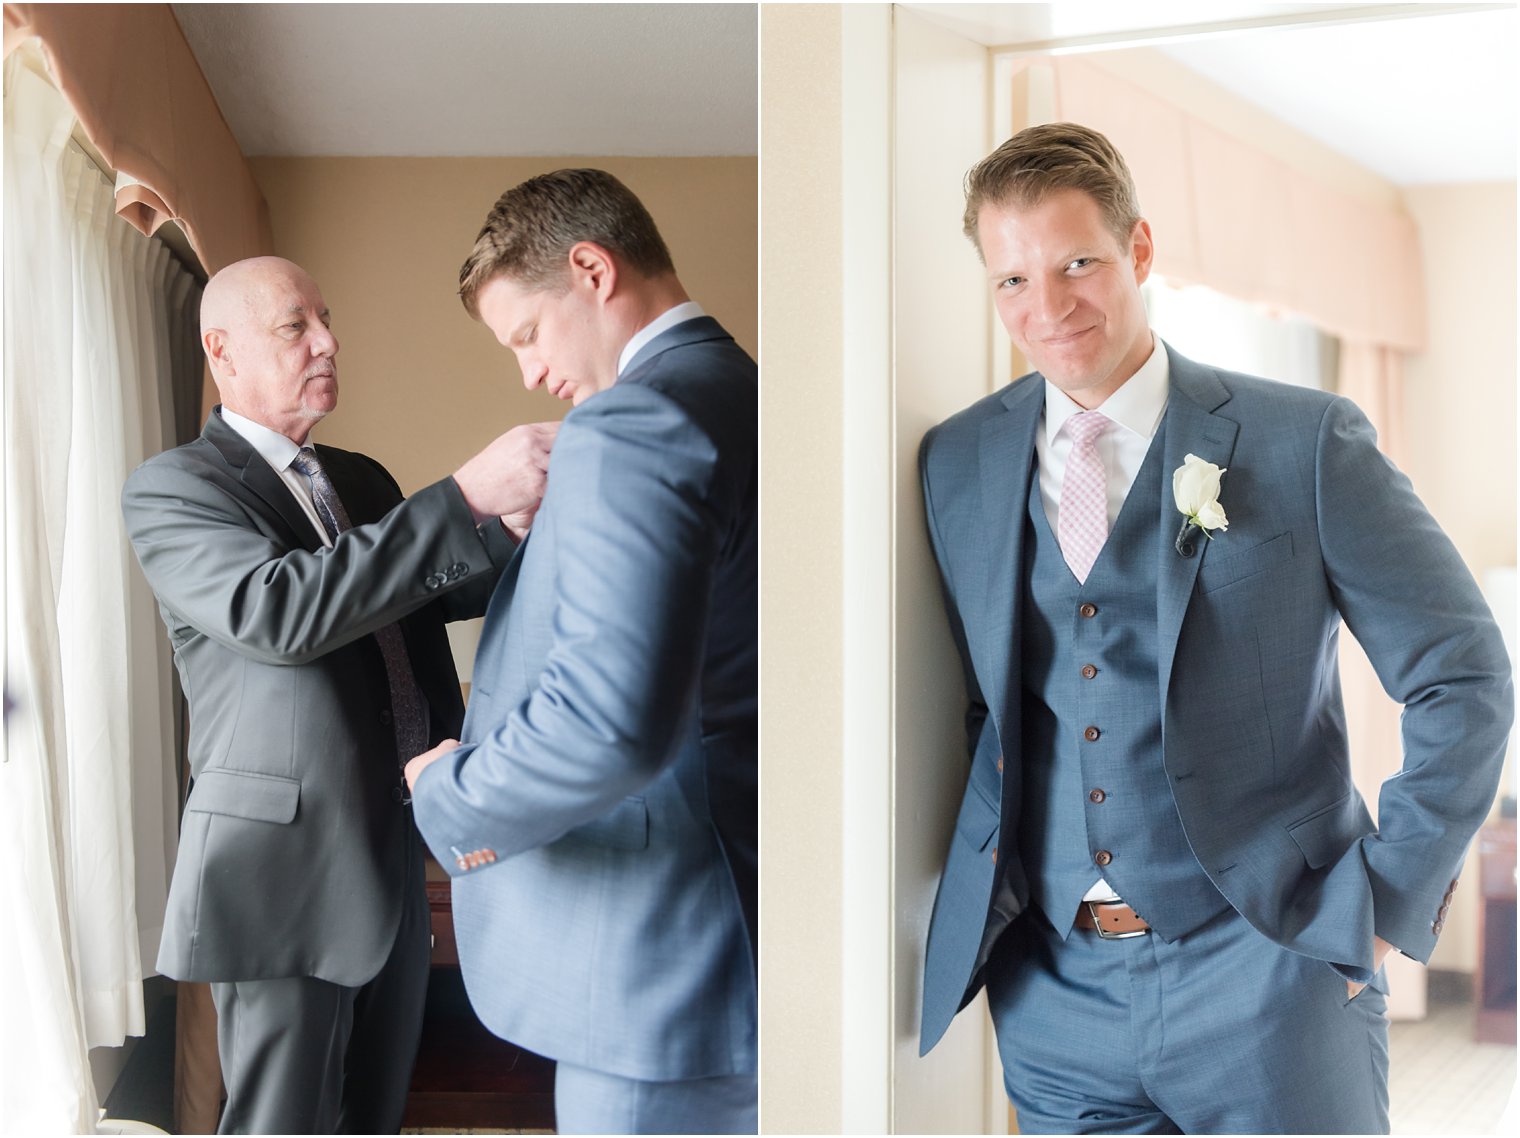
(408, 711)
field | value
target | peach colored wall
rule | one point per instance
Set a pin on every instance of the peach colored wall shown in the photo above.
(1460, 412)
(424, 386)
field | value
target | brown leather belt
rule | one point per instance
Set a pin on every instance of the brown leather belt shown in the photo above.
(1111, 920)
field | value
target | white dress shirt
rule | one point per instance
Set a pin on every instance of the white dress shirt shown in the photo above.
(680, 314)
(277, 450)
(1135, 412)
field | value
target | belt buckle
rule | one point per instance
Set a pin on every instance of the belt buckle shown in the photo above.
(1103, 934)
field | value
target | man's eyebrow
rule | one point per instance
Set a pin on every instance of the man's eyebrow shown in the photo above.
(300, 310)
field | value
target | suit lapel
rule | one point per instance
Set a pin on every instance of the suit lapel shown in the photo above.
(1191, 427)
(1005, 459)
(261, 480)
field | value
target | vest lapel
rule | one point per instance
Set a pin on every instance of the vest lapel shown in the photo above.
(1191, 428)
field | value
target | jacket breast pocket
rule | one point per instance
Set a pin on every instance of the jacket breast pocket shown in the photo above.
(624, 827)
(1217, 573)
(246, 794)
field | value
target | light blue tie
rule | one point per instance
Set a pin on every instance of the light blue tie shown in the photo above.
(409, 713)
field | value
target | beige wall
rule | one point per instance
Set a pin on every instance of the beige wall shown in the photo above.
(802, 598)
(1461, 392)
(423, 385)
(1460, 412)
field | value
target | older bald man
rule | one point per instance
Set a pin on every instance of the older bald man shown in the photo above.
(306, 603)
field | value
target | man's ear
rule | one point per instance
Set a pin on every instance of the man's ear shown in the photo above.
(214, 341)
(1142, 250)
(593, 267)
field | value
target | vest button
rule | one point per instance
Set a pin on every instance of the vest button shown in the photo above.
(1088, 609)
(1088, 671)
(1091, 734)
(1096, 795)
(1102, 857)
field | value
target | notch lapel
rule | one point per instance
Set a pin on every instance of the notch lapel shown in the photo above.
(261, 480)
(1191, 427)
(1005, 459)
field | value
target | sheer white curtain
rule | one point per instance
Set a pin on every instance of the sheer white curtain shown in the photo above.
(1216, 329)
(87, 782)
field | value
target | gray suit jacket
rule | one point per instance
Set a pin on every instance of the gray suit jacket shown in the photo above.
(600, 818)
(293, 848)
(1322, 527)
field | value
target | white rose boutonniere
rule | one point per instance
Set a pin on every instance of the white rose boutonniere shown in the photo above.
(1195, 486)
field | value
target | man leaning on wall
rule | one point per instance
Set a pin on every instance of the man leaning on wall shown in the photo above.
(1161, 872)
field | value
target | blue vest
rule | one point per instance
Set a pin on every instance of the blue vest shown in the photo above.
(1096, 797)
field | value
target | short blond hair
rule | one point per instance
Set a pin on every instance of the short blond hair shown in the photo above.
(1054, 156)
(530, 230)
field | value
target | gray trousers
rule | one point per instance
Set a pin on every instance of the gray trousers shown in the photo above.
(305, 1056)
(594, 1102)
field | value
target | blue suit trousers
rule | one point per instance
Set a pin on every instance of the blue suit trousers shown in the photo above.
(595, 1102)
(1221, 1031)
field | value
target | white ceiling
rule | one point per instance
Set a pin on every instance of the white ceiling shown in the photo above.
(1426, 98)
(460, 80)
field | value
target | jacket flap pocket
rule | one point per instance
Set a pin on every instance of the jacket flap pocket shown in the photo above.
(1326, 834)
(624, 827)
(1217, 573)
(246, 794)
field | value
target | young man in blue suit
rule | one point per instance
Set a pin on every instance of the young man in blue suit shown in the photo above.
(1161, 871)
(599, 817)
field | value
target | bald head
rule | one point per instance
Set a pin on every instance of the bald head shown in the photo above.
(264, 327)
(231, 295)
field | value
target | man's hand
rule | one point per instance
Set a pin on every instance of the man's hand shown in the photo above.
(507, 479)
(416, 766)
(1380, 950)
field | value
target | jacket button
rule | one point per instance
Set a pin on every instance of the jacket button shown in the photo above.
(396, 794)
(1088, 671)
(1000, 764)
(1102, 857)
(994, 855)
(1088, 609)
(461, 863)
(1091, 734)
(1436, 926)
(385, 716)
(1096, 795)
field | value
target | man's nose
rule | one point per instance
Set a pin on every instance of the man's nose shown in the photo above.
(324, 343)
(1052, 301)
(533, 372)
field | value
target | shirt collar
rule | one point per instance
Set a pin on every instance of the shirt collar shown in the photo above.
(688, 310)
(1137, 406)
(275, 448)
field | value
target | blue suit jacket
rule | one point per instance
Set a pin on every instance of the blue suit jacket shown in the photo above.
(600, 817)
(1322, 527)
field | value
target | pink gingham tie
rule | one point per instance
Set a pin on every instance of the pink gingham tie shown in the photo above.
(1083, 517)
